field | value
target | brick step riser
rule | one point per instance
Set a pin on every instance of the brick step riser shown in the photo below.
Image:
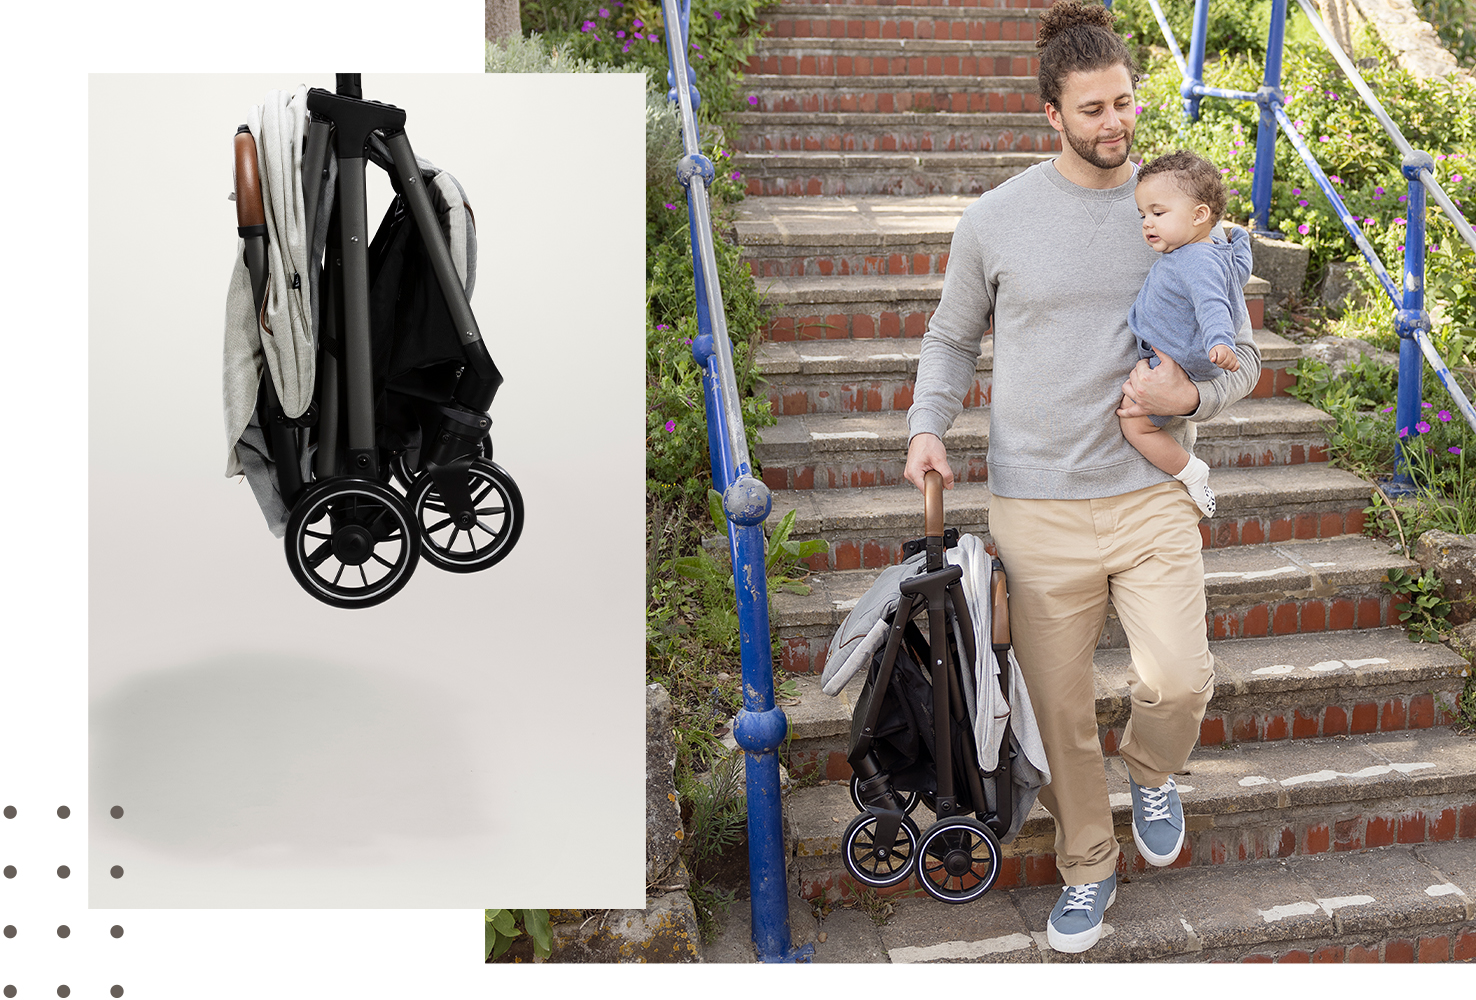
(1310, 830)
(846, 65)
(1030, 8)
(802, 649)
(820, 261)
(960, 27)
(796, 395)
(847, 96)
(800, 182)
(884, 468)
(849, 550)
(1381, 710)
(889, 139)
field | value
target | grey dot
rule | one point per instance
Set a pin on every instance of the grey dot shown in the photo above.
(63, 811)
(63, 991)
(10, 930)
(63, 931)
(116, 812)
(63, 872)
(117, 991)
(10, 991)
(10, 814)
(10, 871)
(116, 871)
(116, 931)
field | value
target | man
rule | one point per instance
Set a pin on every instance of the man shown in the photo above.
(1054, 259)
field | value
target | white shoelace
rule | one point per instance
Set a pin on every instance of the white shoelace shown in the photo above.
(1155, 801)
(1080, 897)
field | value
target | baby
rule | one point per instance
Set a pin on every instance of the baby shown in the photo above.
(1192, 302)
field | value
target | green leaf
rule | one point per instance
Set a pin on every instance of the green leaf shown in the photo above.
(505, 923)
(716, 512)
(491, 938)
(535, 922)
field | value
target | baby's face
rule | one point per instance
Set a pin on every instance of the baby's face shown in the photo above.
(1170, 217)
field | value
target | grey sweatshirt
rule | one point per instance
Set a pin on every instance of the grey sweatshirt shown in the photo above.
(1055, 267)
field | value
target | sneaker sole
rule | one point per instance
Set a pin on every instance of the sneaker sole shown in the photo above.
(1157, 860)
(1072, 944)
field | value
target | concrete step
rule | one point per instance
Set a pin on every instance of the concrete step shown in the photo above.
(846, 20)
(1291, 687)
(1393, 904)
(905, 132)
(865, 528)
(829, 92)
(820, 237)
(1242, 803)
(903, 174)
(893, 57)
(1318, 585)
(872, 375)
(833, 451)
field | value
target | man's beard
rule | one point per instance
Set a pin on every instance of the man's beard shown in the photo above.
(1087, 150)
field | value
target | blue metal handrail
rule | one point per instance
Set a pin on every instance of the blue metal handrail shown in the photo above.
(761, 727)
(1411, 320)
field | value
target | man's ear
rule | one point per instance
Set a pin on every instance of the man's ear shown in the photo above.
(1053, 115)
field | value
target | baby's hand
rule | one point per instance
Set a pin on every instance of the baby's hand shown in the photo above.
(1224, 358)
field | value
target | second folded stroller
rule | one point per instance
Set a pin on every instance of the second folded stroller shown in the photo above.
(917, 724)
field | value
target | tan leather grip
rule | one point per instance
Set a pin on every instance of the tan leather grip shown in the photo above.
(933, 504)
(999, 608)
(249, 208)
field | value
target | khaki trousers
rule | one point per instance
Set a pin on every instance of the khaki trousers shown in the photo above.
(1064, 559)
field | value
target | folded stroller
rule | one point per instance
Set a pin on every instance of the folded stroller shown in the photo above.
(927, 705)
(357, 385)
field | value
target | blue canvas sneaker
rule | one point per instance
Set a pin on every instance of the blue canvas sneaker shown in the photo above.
(1076, 921)
(1158, 821)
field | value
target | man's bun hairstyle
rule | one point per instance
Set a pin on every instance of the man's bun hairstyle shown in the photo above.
(1075, 36)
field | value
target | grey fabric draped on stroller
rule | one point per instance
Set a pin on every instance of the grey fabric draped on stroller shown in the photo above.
(357, 385)
(941, 719)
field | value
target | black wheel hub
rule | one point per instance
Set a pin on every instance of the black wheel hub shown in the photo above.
(957, 862)
(353, 544)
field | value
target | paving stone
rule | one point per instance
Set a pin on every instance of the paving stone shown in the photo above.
(1258, 903)
(987, 930)
(1454, 863)
(851, 937)
(1388, 891)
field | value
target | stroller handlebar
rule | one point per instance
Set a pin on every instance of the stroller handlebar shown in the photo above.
(933, 504)
(249, 208)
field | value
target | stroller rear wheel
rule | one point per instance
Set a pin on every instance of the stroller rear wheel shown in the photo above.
(351, 543)
(873, 865)
(490, 535)
(958, 859)
(909, 799)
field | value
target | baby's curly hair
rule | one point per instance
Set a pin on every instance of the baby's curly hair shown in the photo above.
(1076, 36)
(1192, 174)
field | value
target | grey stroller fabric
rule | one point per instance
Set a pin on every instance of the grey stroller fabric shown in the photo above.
(864, 632)
(283, 337)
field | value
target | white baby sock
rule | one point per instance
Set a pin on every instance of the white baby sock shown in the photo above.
(1196, 476)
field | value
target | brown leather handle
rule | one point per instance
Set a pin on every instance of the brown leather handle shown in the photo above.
(249, 208)
(999, 608)
(933, 504)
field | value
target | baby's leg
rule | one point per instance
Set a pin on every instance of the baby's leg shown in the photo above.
(1167, 455)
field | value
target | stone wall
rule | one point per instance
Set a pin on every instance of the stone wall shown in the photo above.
(1412, 40)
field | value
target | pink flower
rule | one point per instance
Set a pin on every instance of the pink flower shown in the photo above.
(1336, 179)
(1323, 138)
(1422, 427)
(1302, 202)
(638, 23)
(1404, 432)
(1303, 229)
(1386, 409)
(736, 175)
(753, 100)
(1454, 451)
(1443, 416)
(670, 426)
(717, 15)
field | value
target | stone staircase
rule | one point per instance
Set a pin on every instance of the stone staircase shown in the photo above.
(1328, 732)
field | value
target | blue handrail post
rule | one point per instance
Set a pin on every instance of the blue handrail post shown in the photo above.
(1409, 320)
(1269, 97)
(1194, 71)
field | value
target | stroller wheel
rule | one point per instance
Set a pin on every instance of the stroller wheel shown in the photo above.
(875, 866)
(958, 860)
(909, 799)
(404, 474)
(351, 543)
(498, 522)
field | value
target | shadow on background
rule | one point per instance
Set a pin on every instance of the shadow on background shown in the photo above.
(279, 758)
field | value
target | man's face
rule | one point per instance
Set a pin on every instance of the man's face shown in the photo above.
(1097, 114)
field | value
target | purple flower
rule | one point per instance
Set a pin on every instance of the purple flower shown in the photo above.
(1386, 409)
(637, 34)
(687, 341)
(1336, 179)
(1454, 451)
(1303, 228)
(717, 15)
(1456, 179)
(1427, 406)
(1404, 432)
(1323, 138)
(736, 175)
(625, 47)
(587, 26)
(1224, 170)
(619, 34)
(671, 206)
(1398, 222)
(1439, 156)
(1370, 222)
(1443, 416)
(753, 100)
(1296, 190)
(604, 12)
(1234, 190)
(1404, 197)
(670, 426)
(662, 326)
(1378, 190)
(1302, 202)
(638, 23)
(1140, 111)
(1422, 427)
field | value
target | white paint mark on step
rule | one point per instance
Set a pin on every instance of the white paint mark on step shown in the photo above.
(820, 357)
(961, 951)
(1328, 665)
(1253, 574)
(1254, 780)
(843, 435)
(1287, 910)
(1322, 564)
(1367, 772)
(1279, 668)
(1446, 889)
(891, 357)
(1120, 799)
(1371, 661)
(1337, 902)
(845, 605)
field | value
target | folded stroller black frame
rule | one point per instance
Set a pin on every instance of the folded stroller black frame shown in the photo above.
(358, 130)
(937, 591)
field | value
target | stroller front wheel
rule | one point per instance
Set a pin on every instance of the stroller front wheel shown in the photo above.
(958, 860)
(492, 528)
(351, 543)
(876, 865)
(909, 799)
